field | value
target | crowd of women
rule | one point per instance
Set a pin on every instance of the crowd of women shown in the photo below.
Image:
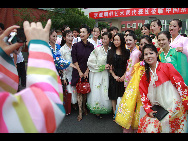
(127, 79)
(145, 86)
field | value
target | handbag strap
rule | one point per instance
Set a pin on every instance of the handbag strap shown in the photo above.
(80, 79)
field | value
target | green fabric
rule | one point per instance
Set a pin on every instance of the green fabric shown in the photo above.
(97, 109)
(101, 68)
(178, 60)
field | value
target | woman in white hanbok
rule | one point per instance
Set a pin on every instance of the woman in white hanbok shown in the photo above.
(162, 85)
(67, 73)
(97, 100)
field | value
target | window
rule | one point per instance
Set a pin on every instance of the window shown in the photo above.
(134, 25)
(140, 25)
(128, 25)
(123, 25)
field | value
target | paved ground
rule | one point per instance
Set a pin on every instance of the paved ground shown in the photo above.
(88, 124)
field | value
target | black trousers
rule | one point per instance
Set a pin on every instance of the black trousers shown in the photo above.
(22, 72)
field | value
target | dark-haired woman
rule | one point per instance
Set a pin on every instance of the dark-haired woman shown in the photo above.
(179, 42)
(97, 100)
(170, 55)
(155, 28)
(145, 29)
(162, 85)
(117, 58)
(135, 54)
(80, 54)
(55, 48)
(128, 112)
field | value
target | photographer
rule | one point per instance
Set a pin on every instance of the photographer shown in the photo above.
(37, 108)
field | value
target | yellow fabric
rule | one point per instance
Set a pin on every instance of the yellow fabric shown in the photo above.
(129, 107)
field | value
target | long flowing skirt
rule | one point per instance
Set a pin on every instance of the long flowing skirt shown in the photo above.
(97, 100)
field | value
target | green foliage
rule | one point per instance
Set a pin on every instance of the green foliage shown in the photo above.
(74, 17)
(103, 24)
(138, 34)
(24, 14)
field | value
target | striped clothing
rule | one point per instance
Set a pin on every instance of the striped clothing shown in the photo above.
(38, 108)
(8, 74)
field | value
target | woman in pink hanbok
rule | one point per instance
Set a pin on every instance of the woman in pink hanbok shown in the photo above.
(177, 41)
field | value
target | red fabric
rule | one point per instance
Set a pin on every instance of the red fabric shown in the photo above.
(137, 12)
(165, 72)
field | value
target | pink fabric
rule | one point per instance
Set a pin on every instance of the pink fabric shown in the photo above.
(181, 41)
(134, 58)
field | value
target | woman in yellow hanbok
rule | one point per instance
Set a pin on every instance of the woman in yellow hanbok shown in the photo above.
(128, 112)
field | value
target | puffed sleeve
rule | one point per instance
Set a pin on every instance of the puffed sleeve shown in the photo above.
(179, 83)
(185, 46)
(143, 88)
(93, 63)
(135, 58)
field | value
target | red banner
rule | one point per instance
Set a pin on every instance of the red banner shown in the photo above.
(137, 12)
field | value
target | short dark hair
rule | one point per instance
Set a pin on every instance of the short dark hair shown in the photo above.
(52, 31)
(76, 29)
(133, 35)
(158, 22)
(113, 28)
(87, 27)
(66, 32)
(146, 25)
(178, 21)
(130, 31)
(166, 33)
(108, 34)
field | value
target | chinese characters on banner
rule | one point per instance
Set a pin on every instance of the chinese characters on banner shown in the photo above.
(137, 12)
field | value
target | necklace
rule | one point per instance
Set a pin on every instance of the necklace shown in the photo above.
(154, 76)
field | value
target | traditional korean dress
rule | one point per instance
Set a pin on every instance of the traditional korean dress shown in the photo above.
(67, 73)
(181, 41)
(129, 107)
(178, 60)
(97, 100)
(134, 58)
(39, 107)
(60, 63)
(167, 89)
(99, 42)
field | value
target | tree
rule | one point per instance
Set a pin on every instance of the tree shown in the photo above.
(25, 15)
(138, 33)
(74, 17)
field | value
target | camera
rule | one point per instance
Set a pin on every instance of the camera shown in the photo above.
(20, 35)
(17, 37)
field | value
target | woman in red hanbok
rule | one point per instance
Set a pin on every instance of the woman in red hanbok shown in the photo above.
(162, 85)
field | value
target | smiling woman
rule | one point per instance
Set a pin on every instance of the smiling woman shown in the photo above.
(80, 54)
(165, 89)
(179, 42)
(170, 55)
